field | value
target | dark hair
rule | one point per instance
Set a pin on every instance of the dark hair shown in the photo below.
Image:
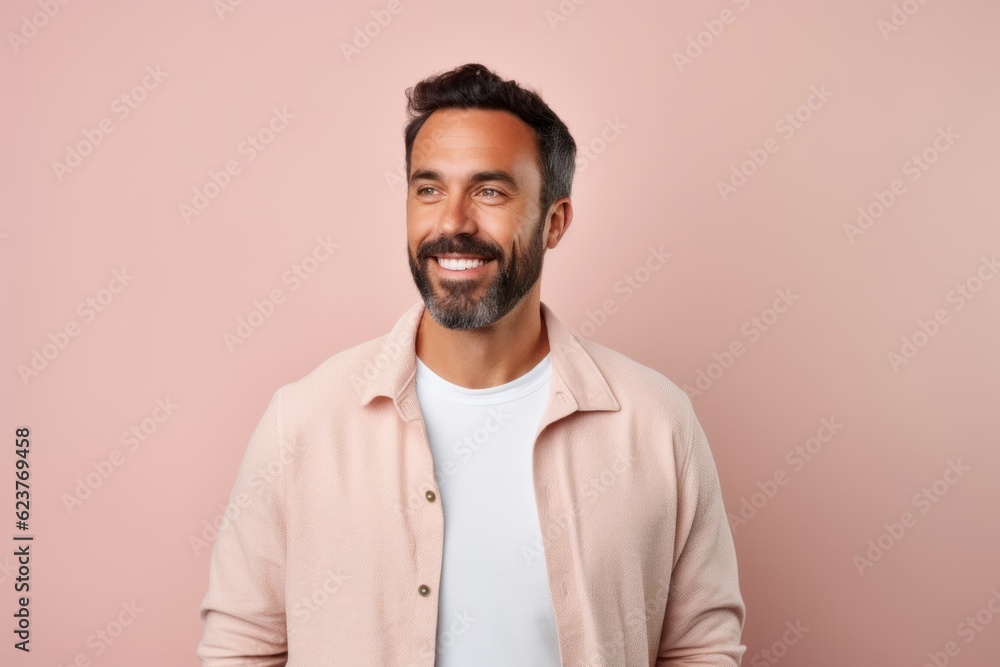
(475, 86)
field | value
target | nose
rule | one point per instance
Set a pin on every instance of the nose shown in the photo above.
(457, 217)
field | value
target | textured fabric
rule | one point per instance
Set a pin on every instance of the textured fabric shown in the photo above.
(494, 609)
(333, 551)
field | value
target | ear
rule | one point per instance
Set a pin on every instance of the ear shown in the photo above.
(559, 218)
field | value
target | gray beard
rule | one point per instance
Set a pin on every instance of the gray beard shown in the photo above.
(457, 309)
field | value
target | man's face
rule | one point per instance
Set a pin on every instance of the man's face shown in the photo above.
(473, 198)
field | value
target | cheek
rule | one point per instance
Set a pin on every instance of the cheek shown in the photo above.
(417, 227)
(413, 247)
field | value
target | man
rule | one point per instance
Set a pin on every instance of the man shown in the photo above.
(478, 486)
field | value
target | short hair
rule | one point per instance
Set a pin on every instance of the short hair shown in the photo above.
(475, 86)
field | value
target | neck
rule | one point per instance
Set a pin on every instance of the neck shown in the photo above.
(488, 356)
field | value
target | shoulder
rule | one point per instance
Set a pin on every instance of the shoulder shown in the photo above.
(635, 383)
(339, 379)
(655, 408)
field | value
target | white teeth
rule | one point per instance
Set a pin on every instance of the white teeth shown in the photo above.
(460, 264)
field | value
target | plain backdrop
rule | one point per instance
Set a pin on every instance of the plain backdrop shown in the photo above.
(822, 175)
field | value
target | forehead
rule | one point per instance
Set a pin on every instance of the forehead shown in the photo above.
(452, 141)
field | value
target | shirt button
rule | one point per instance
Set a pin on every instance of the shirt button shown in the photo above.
(430, 496)
(424, 590)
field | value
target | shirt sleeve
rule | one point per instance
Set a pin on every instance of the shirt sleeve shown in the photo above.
(705, 612)
(243, 612)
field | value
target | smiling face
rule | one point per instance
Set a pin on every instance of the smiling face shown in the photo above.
(475, 228)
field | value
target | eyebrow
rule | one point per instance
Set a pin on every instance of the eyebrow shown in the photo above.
(478, 177)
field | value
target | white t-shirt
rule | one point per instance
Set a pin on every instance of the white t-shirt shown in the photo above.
(495, 607)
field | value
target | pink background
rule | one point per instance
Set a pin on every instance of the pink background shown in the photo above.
(333, 171)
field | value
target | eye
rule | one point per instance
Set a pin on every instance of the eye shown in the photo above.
(422, 190)
(496, 193)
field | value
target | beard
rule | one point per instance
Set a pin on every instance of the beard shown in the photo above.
(455, 305)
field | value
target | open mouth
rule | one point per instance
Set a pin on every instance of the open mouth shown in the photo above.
(462, 264)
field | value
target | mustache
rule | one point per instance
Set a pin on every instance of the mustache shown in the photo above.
(458, 245)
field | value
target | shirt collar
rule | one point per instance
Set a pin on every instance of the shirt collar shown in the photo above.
(577, 383)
